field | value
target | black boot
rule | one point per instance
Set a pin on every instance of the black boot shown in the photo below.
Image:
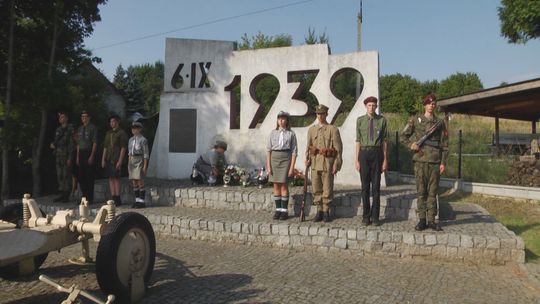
(376, 222)
(277, 214)
(326, 217)
(318, 217)
(434, 226)
(277, 201)
(284, 215)
(421, 225)
(59, 198)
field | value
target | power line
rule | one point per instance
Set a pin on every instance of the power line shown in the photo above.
(202, 24)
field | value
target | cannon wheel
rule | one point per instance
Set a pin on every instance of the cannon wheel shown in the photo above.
(128, 246)
(14, 214)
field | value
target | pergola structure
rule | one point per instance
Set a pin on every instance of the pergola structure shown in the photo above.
(518, 101)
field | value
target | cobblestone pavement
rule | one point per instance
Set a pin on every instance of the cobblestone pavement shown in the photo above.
(201, 272)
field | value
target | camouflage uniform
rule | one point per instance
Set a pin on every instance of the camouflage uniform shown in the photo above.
(433, 153)
(64, 147)
(321, 138)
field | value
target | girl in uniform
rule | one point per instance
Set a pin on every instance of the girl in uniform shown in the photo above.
(138, 163)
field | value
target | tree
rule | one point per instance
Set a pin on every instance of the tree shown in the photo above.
(459, 84)
(520, 20)
(400, 93)
(49, 44)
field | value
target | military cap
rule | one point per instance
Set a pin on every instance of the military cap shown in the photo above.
(320, 109)
(370, 99)
(283, 114)
(220, 144)
(429, 98)
(136, 125)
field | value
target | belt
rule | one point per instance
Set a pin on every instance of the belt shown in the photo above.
(286, 150)
(432, 143)
(370, 147)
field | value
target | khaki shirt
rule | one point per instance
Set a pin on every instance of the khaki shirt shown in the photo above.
(115, 140)
(324, 136)
(435, 149)
(86, 136)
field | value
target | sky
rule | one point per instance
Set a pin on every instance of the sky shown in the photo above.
(426, 39)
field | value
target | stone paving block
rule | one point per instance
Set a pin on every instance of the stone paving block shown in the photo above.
(397, 237)
(385, 236)
(452, 252)
(408, 238)
(341, 243)
(442, 238)
(304, 230)
(518, 255)
(342, 233)
(313, 230)
(323, 231)
(372, 246)
(236, 227)
(361, 234)
(454, 240)
(284, 240)
(389, 247)
(184, 223)
(466, 241)
(352, 244)
(294, 229)
(318, 240)
(283, 229)
(199, 194)
(238, 196)
(230, 196)
(519, 243)
(351, 234)
(306, 240)
(508, 243)
(418, 238)
(222, 196)
(421, 250)
(218, 226)
(430, 239)
(493, 242)
(334, 232)
(372, 235)
(479, 242)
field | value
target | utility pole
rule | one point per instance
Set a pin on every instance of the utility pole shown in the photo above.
(359, 29)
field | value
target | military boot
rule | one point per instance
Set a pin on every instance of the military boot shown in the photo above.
(59, 198)
(326, 217)
(319, 216)
(421, 225)
(434, 226)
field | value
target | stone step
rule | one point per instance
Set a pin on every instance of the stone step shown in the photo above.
(470, 233)
(397, 202)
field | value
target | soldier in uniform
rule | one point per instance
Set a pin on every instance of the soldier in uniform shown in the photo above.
(63, 147)
(86, 151)
(210, 166)
(324, 154)
(114, 151)
(371, 158)
(429, 159)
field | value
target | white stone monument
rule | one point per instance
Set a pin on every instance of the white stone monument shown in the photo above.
(195, 107)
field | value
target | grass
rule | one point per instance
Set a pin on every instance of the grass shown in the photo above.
(479, 163)
(520, 216)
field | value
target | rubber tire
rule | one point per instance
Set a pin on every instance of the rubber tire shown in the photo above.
(14, 214)
(107, 256)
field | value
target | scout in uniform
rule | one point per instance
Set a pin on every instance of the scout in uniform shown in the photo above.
(114, 152)
(63, 146)
(429, 159)
(86, 152)
(280, 160)
(324, 155)
(138, 163)
(371, 158)
(212, 164)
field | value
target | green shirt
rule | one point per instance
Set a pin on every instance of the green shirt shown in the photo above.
(86, 136)
(115, 140)
(380, 133)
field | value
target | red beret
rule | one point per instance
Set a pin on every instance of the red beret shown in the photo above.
(370, 99)
(429, 98)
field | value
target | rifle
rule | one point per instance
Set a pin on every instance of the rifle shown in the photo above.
(303, 206)
(437, 221)
(425, 137)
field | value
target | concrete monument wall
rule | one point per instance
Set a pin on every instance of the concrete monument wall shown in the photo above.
(195, 107)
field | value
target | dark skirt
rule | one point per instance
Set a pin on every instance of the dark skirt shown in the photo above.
(280, 162)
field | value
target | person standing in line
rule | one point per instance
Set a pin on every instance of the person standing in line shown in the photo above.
(86, 152)
(138, 163)
(114, 151)
(429, 159)
(280, 161)
(63, 147)
(324, 154)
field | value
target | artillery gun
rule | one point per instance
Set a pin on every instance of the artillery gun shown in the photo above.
(126, 244)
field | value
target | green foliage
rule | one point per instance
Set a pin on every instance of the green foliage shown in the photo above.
(400, 93)
(520, 20)
(141, 86)
(459, 84)
(312, 38)
(262, 41)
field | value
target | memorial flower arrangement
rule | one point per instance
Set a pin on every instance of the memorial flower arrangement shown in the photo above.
(232, 175)
(297, 178)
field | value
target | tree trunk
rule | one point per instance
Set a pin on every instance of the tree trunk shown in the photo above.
(7, 107)
(37, 150)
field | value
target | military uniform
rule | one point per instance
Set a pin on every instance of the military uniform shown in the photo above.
(63, 145)
(115, 140)
(86, 137)
(324, 151)
(432, 154)
(371, 135)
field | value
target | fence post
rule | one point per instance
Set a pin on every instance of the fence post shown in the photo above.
(460, 144)
(397, 151)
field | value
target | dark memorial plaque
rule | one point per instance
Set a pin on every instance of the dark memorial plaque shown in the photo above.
(183, 131)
